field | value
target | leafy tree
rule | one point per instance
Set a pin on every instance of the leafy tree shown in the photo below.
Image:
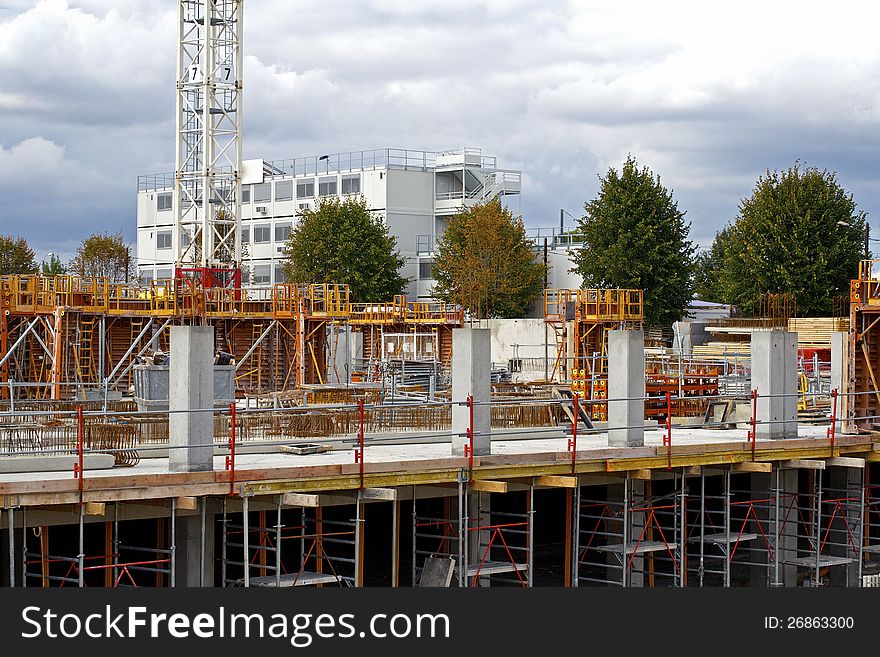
(104, 255)
(54, 267)
(707, 282)
(485, 262)
(636, 237)
(341, 242)
(16, 256)
(798, 233)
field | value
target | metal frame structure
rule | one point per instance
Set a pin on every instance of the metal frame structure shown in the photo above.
(207, 233)
(66, 335)
(119, 564)
(492, 547)
(637, 538)
(820, 529)
(328, 552)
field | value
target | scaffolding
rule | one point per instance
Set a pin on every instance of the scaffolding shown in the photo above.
(280, 337)
(630, 536)
(327, 551)
(122, 564)
(490, 547)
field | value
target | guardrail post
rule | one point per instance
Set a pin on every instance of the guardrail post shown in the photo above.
(833, 427)
(572, 442)
(667, 439)
(753, 432)
(359, 450)
(230, 459)
(469, 448)
(80, 439)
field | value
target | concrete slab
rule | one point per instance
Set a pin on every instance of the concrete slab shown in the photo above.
(59, 463)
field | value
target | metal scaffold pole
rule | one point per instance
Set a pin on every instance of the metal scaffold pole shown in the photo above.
(203, 503)
(245, 522)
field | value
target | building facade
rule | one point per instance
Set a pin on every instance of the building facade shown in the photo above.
(414, 192)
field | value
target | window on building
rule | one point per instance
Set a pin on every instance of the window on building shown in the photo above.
(245, 234)
(262, 275)
(284, 190)
(163, 239)
(262, 233)
(327, 186)
(282, 231)
(163, 201)
(245, 193)
(305, 188)
(262, 193)
(426, 270)
(351, 184)
(145, 276)
(163, 274)
(279, 275)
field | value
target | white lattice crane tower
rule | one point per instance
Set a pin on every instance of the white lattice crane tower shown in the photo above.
(207, 236)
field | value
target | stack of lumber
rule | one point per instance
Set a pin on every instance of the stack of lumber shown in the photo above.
(815, 332)
(732, 343)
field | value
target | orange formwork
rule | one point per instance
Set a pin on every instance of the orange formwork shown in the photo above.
(63, 334)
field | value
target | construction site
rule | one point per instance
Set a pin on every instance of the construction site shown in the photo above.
(201, 431)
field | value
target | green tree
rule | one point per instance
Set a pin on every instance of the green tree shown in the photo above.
(54, 266)
(707, 281)
(16, 256)
(485, 262)
(341, 242)
(800, 233)
(636, 237)
(103, 255)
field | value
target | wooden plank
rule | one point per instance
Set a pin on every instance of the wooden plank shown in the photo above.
(94, 508)
(642, 474)
(385, 494)
(301, 499)
(188, 503)
(487, 486)
(556, 481)
(805, 464)
(751, 466)
(845, 462)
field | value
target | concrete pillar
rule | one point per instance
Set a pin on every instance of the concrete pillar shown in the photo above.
(340, 361)
(775, 373)
(626, 381)
(191, 386)
(471, 375)
(840, 377)
(188, 543)
(687, 335)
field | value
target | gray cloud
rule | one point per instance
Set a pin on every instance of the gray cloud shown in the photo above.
(708, 97)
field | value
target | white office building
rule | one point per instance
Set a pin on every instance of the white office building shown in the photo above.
(414, 192)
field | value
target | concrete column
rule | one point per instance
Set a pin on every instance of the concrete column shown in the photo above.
(471, 375)
(188, 543)
(687, 335)
(340, 355)
(191, 386)
(840, 377)
(774, 373)
(626, 381)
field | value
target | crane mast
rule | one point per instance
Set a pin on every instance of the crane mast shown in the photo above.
(207, 235)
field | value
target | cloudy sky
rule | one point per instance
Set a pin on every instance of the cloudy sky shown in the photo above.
(707, 94)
